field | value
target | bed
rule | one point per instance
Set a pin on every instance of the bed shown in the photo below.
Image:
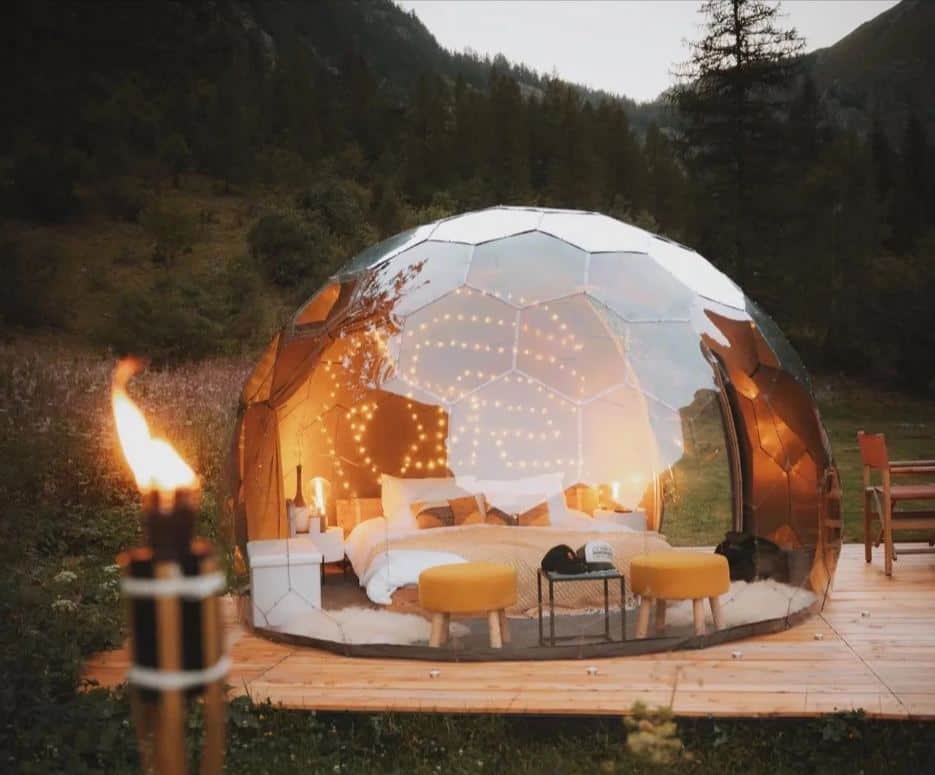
(388, 551)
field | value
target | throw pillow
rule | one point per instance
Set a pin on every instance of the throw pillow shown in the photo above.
(537, 516)
(467, 510)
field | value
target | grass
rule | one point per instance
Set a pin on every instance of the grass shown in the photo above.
(697, 494)
(68, 506)
(846, 407)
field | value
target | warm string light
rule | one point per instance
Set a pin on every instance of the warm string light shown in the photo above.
(428, 450)
(554, 336)
(475, 433)
(554, 344)
(523, 444)
(472, 337)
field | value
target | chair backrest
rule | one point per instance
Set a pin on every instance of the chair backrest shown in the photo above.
(873, 450)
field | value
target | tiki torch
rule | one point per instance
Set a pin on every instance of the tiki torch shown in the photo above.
(170, 589)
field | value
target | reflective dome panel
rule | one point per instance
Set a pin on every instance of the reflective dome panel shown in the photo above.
(594, 232)
(691, 269)
(485, 225)
(528, 268)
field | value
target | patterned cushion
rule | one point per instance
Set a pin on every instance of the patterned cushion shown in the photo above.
(536, 516)
(449, 513)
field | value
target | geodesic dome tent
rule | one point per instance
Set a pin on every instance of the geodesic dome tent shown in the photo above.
(585, 378)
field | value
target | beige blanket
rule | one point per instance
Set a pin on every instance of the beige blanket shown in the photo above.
(523, 548)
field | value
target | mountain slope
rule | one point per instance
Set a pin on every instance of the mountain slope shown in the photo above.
(885, 68)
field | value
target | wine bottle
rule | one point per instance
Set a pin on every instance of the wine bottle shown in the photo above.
(299, 501)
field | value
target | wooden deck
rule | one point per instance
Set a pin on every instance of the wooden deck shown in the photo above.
(873, 648)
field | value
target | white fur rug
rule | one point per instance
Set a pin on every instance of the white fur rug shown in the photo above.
(747, 602)
(365, 625)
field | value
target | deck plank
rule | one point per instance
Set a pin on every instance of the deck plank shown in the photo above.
(872, 648)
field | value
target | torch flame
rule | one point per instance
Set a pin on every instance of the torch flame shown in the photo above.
(155, 464)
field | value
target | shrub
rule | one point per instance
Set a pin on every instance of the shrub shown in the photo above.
(173, 231)
(289, 248)
(340, 204)
(123, 198)
(30, 294)
(173, 319)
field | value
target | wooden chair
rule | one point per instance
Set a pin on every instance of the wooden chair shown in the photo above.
(880, 500)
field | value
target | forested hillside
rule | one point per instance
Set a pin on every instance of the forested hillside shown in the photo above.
(174, 176)
(883, 70)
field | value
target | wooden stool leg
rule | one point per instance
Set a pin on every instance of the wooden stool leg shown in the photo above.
(867, 538)
(493, 621)
(438, 624)
(504, 626)
(446, 628)
(642, 619)
(715, 603)
(660, 616)
(888, 552)
(698, 615)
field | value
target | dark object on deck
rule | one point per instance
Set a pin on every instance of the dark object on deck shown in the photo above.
(751, 557)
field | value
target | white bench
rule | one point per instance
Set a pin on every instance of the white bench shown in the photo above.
(285, 579)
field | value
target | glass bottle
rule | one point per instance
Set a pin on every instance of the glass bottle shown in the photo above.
(301, 510)
(299, 500)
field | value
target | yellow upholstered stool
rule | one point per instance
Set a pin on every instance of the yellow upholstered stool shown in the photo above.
(674, 575)
(468, 588)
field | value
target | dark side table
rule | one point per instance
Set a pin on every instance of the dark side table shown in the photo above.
(605, 576)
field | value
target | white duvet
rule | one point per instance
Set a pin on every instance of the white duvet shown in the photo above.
(394, 568)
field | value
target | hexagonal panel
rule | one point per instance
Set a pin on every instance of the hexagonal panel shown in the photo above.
(416, 277)
(698, 492)
(457, 343)
(383, 250)
(636, 287)
(317, 309)
(484, 225)
(667, 363)
(765, 428)
(784, 353)
(565, 345)
(618, 445)
(668, 429)
(415, 447)
(594, 232)
(699, 275)
(528, 268)
(513, 427)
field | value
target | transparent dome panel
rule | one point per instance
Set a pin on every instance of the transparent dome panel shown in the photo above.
(380, 251)
(514, 427)
(637, 288)
(566, 346)
(619, 449)
(528, 268)
(697, 493)
(667, 362)
(417, 276)
(458, 343)
(699, 275)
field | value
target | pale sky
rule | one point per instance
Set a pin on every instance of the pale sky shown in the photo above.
(626, 47)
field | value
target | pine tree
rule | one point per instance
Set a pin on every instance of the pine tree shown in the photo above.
(730, 89)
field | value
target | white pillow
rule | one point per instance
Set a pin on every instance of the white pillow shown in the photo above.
(399, 494)
(519, 495)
